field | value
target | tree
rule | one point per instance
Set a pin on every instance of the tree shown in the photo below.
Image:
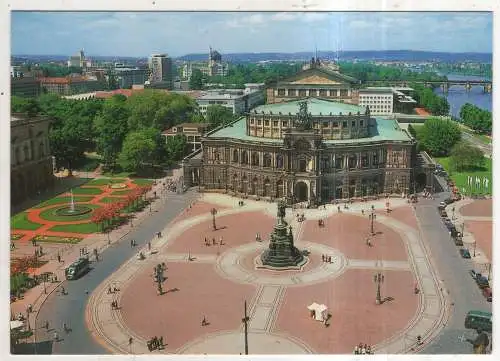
(28, 106)
(438, 136)
(464, 157)
(196, 80)
(219, 115)
(112, 127)
(177, 147)
(138, 149)
(158, 109)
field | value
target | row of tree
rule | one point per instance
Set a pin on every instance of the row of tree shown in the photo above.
(123, 131)
(240, 74)
(426, 98)
(367, 72)
(480, 120)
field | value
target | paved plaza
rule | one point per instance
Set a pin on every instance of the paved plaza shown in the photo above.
(213, 281)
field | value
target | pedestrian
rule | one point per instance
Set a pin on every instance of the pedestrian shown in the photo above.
(58, 258)
(323, 258)
(63, 290)
(221, 241)
(338, 209)
(65, 327)
(161, 342)
(47, 325)
(130, 340)
(56, 337)
(131, 243)
(149, 246)
(369, 350)
(213, 241)
(30, 308)
(356, 350)
(363, 350)
(109, 290)
(363, 212)
(204, 321)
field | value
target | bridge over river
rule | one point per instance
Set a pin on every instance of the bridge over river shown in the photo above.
(444, 84)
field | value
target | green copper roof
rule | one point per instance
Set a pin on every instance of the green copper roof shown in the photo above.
(315, 106)
(383, 130)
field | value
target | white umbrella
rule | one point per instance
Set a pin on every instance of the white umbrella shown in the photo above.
(16, 324)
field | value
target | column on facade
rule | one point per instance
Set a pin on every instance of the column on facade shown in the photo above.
(346, 161)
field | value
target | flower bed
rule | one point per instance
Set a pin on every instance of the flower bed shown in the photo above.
(118, 186)
(56, 239)
(16, 236)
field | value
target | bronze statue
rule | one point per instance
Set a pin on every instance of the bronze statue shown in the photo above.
(304, 119)
(281, 209)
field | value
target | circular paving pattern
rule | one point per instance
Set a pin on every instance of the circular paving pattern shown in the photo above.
(62, 214)
(69, 211)
(231, 265)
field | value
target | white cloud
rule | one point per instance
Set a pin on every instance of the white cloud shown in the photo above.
(246, 21)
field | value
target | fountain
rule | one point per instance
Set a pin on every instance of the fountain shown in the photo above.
(72, 203)
(282, 254)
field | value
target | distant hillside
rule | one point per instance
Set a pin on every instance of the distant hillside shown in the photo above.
(389, 55)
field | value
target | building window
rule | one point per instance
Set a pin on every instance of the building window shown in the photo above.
(284, 124)
(353, 123)
(361, 123)
(279, 161)
(364, 160)
(352, 161)
(325, 124)
(259, 122)
(252, 121)
(267, 160)
(339, 163)
(266, 123)
(322, 92)
(235, 156)
(281, 92)
(343, 92)
(275, 123)
(375, 158)
(302, 92)
(312, 92)
(344, 124)
(335, 124)
(244, 157)
(255, 159)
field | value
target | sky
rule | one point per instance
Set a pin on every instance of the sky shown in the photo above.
(141, 34)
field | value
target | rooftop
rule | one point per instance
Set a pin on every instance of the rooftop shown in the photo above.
(315, 106)
(381, 130)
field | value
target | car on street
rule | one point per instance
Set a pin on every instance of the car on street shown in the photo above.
(464, 252)
(479, 319)
(482, 282)
(442, 204)
(443, 213)
(448, 201)
(458, 242)
(487, 293)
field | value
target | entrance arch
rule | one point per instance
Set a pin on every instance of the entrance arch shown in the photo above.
(301, 192)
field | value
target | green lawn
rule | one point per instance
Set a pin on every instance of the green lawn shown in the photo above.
(121, 193)
(111, 199)
(59, 200)
(143, 182)
(460, 178)
(49, 214)
(56, 239)
(105, 181)
(76, 228)
(20, 221)
(481, 137)
(82, 190)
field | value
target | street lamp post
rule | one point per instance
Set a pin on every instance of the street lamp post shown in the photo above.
(159, 277)
(245, 322)
(474, 255)
(372, 217)
(213, 211)
(378, 278)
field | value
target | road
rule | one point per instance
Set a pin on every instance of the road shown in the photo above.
(70, 309)
(485, 148)
(454, 272)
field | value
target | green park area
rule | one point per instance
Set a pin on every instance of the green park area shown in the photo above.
(20, 221)
(62, 200)
(460, 178)
(56, 239)
(87, 190)
(105, 181)
(84, 228)
(142, 182)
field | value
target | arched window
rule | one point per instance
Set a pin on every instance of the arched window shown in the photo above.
(267, 160)
(255, 158)
(244, 157)
(302, 165)
(26, 153)
(235, 156)
(279, 161)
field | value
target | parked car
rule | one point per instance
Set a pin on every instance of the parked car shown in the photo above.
(482, 282)
(443, 213)
(464, 252)
(442, 204)
(448, 201)
(487, 293)
(459, 242)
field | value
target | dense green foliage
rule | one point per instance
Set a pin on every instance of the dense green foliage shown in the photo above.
(81, 126)
(438, 136)
(370, 72)
(240, 74)
(196, 80)
(53, 70)
(466, 157)
(177, 147)
(219, 115)
(426, 98)
(484, 70)
(476, 118)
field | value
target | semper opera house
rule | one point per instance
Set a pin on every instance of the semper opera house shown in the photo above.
(310, 147)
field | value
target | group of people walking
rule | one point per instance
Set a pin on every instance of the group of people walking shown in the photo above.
(155, 343)
(363, 349)
(326, 259)
(214, 242)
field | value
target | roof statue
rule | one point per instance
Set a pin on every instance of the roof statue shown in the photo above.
(304, 118)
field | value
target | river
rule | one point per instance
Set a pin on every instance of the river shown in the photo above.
(458, 96)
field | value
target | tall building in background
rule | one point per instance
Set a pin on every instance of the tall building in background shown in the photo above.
(161, 71)
(215, 65)
(78, 60)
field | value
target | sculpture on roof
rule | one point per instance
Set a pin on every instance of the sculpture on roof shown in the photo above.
(304, 118)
